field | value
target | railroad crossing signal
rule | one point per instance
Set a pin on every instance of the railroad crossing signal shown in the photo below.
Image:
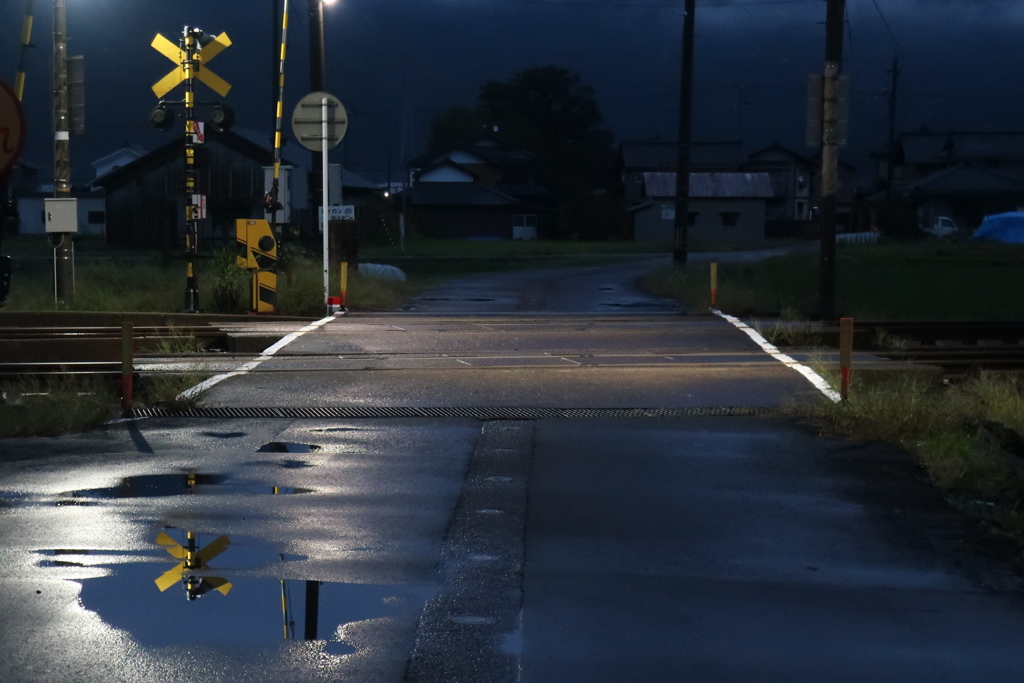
(192, 559)
(179, 57)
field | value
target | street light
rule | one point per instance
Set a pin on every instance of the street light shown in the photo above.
(317, 65)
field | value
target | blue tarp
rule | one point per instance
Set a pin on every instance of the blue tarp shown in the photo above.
(1007, 228)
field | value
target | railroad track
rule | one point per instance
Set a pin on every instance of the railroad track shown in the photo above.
(77, 343)
(84, 343)
(960, 348)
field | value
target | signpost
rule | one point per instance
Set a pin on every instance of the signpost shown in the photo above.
(319, 122)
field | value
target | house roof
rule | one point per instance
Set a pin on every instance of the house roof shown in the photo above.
(174, 150)
(352, 179)
(661, 155)
(457, 194)
(712, 185)
(776, 148)
(128, 151)
(963, 179)
(923, 147)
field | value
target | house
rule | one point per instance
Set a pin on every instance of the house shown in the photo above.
(638, 157)
(795, 180)
(961, 175)
(30, 192)
(144, 206)
(117, 159)
(482, 189)
(92, 216)
(723, 207)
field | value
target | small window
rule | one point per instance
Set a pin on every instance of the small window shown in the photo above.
(97, 217)
(524, 220)
(524, 226)
(730, 219)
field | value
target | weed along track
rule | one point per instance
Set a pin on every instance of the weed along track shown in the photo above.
(959, 348)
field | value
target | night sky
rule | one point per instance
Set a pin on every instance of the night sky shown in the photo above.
(397, 63)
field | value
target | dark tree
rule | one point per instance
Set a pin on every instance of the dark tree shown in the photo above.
(550, 112)
(454, 127)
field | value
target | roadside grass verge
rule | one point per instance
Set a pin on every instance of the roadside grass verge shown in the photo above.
(47, 406)
(148, 281)
(913, 281)
(965, 436)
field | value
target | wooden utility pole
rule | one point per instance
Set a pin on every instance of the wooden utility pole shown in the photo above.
(63, 268)
(834, 20)
(680, 246)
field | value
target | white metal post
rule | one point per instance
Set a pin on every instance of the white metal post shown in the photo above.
(324, 103)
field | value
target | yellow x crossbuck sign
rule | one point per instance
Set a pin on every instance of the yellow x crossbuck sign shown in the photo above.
(204, 55)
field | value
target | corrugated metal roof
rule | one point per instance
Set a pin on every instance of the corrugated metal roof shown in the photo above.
(712, 185)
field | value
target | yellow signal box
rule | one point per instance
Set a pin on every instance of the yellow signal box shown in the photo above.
(260, 257)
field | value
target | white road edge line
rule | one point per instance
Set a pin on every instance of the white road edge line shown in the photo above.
(266, 355)
(814, 378)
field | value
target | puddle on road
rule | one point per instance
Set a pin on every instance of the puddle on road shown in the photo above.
(640, 304)
(288, 447)
(164, 485)
(201, 593)
(224, 435)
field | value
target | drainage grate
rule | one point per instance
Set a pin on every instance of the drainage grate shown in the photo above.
(479, 413)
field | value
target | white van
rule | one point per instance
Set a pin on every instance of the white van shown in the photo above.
(942, 226)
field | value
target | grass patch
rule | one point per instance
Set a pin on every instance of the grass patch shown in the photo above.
(788, 330)
(958, 434)
(915, 281)
(49, 406)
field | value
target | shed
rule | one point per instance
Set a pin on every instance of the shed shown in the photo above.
(723, 207)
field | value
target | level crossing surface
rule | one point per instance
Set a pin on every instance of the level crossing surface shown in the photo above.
(657, 547)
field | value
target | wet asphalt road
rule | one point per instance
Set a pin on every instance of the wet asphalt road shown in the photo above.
(450, 549)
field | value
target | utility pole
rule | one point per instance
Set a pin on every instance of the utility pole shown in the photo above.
(834, 20)
(316, 84)
(682, 220)
(63, 268)
(891, 150)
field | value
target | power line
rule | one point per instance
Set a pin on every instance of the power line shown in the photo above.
(885, 22)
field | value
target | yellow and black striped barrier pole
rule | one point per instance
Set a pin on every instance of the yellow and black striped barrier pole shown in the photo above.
(272, 206)
(26, 43)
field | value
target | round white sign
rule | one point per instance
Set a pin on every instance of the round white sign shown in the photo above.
(308, 120)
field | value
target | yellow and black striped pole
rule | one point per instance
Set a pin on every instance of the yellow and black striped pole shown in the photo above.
(26, 43)
(272, 205)
(189, 66)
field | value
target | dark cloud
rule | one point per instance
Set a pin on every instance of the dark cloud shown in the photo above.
(395, 63)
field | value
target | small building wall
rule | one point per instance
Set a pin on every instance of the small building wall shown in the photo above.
(92, 216)
(656, 221)
(464, 222)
